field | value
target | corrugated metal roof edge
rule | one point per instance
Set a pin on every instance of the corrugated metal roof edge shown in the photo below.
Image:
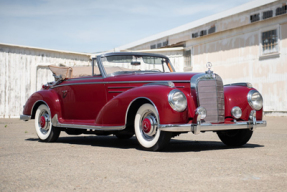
(197, 23)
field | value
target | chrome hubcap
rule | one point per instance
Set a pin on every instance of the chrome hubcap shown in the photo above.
(44, 121)
(149, 125)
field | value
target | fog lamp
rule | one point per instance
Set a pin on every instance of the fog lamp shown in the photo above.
(201, 112)
(236, 112)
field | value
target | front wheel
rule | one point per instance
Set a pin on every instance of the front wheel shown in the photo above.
(146, 129)
(235, 138)
(44, 128)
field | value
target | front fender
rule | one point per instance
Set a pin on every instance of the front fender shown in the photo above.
(49, 97)
(115, 111)
(237, 96)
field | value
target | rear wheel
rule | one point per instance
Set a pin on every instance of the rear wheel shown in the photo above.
(146, 129)
(235, 138)
(44, 128)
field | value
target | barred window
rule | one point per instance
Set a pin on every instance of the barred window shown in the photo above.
(269, 41)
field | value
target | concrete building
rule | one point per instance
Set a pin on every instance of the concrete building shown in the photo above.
(23, 71)
(247, 43)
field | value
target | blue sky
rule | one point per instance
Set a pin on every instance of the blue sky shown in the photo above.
(97, 25)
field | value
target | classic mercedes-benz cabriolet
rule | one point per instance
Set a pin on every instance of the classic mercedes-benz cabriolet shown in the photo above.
(139, 93)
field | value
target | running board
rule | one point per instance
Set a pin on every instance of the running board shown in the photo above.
(56, 123)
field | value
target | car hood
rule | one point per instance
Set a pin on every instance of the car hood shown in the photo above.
(153, 77)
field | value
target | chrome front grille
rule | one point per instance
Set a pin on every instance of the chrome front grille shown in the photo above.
(210, 95)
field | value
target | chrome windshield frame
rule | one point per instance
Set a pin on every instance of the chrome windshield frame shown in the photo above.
(101, 66)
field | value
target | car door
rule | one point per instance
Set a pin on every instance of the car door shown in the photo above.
(82, 99)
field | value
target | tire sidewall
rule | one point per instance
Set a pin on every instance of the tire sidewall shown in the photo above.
(138, 130)
(42, 136)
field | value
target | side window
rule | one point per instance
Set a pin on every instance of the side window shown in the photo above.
(269, 42)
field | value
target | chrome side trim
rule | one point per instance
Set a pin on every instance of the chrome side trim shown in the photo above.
(244, 84)
(126, 118)
(25, 117)
(115, 91)
(79, 78)
(56, 123)
(116, 82)
(165, 83)
(120, 87)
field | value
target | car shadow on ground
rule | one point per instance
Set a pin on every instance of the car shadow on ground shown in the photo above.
(174, 145)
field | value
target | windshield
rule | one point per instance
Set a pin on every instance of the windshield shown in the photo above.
(126, 64)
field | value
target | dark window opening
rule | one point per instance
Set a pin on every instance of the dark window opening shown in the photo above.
(194, 35)
(211, 30)
(281, 10)
(165, 43)
(267, 14)
(158, 45)
(153, 47)
(254, 18)
(203, 32)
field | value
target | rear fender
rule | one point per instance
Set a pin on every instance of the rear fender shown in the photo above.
(114, 113)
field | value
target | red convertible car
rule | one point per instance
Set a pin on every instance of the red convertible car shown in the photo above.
(140, 93)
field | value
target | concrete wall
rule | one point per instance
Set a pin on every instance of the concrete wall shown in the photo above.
(235, 50)
(23, 71)
(237, 57)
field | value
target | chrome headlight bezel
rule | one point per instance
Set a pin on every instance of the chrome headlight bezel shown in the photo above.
(255, 99)
(177, 100)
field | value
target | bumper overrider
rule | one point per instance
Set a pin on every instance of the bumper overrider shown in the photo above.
(202, 127)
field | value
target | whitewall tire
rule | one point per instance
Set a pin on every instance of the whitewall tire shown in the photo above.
(43, 125)
(146, 129)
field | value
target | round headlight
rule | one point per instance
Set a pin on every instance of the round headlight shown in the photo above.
(177, 100)
(236, 112)
(255, 99)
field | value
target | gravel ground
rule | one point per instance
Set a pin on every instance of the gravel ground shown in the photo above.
(104, 163)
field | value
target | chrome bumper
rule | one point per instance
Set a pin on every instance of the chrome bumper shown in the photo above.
(201, 127)
(25, 117)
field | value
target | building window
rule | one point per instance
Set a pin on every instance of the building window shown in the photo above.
(194, 35)
(281, 10)
(267, 14)
(165, 43)
(202, 33)
(254, 18)
(153, 47)
(211, 30)
(269, 42)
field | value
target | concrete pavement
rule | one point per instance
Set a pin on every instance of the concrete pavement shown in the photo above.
(104, 163)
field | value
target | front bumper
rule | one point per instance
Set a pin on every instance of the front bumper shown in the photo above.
(202, 127)
(25, 117)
